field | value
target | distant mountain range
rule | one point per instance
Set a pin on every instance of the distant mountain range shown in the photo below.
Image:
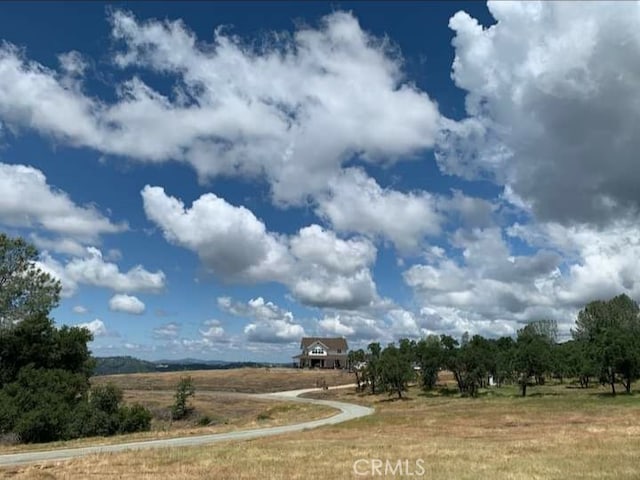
(189, 361)
(127, 364)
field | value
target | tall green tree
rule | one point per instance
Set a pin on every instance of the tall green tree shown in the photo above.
(396, 370)
(25, 289)
(505, 349)
(372, 372)
(610, 331)
(357, 364)
(475, 360)
(451, 359)
(533, 357)
(430, 355)
(44, 370)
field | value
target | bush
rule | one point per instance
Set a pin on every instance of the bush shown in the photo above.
(43, 424)
(135, 418)
(106, 398)
(39, 406)
(204, 421)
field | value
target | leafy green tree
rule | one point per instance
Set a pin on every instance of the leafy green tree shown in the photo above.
(25, 290)
(533, 355)
(357, 360)
(36, 341)
(45, 370)
(372, 371)
(44, 401)
(429, 352)
(451, 359)
(471, 361)
(396, 370)
(505, 349)
(184, 391)
(474, 361)
(610, 331)
(561, 361)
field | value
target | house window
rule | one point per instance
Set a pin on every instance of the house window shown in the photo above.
(339, 350)
(317, 351)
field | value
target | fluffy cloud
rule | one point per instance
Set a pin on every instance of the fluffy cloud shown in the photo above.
(96, 327)
(270, 323)
(236, 109)
(492, 290)
(488, 283)
(600, 263)
(79, 310)
(230, 240)
(329, 271)
(315, 245)
(47, 208)
(72, 63)
(319, 268)
(67, 246)
(469, 211)
(167, 331)
(214, 331)
(126, 303)
(357, 203)
(93, 270)
(354, 326)
(552, 107)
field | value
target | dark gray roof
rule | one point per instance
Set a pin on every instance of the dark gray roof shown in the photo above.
(335, 343)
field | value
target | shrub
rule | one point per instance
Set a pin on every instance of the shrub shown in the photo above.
(134, 418)
(204, 420)
(184, 390)
(106, 398)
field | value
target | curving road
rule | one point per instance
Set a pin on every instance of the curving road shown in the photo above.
(348, 411)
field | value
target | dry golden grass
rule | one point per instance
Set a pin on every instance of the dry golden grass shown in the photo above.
(246, 380)
(554, 433)
(227, 410)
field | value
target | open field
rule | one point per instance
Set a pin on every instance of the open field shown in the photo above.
(245, 380)
(557, 432)
(227, 411)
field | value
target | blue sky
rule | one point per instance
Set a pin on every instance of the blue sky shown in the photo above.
(216, 180)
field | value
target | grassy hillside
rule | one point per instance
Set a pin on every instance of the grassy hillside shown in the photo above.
(114, 365)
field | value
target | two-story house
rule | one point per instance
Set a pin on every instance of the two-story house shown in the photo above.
(318, 352)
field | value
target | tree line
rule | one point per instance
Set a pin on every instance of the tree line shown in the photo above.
(45, 393)
(604, 347)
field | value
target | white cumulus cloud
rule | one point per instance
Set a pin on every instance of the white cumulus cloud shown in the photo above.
(96, 327)
(122, 302)
(318, 267)
(236, 109)
(27, 200)
(357, 203)
(552, 107)
(269, 323)
(93, 270)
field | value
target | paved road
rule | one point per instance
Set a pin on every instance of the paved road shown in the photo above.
(348, 411)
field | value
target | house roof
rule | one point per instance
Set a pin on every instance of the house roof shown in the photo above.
(336, 343)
